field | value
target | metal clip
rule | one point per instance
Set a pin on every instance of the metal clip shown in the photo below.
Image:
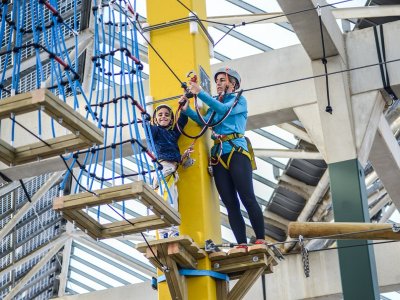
(396, 227)
(188, 162)
(210, 247)
(318, 10)
(278, 254)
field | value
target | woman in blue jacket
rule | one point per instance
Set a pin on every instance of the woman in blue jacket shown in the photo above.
(230, 158)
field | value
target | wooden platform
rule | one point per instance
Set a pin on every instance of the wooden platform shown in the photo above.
(237, 261)
(182, 252)
(73, 208)
(246, 266)
(84, 134)
(173, 253)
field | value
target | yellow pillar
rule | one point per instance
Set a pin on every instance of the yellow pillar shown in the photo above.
(198, 201)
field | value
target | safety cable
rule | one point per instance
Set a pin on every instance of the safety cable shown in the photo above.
(321, 75)
(199, 22)
(47, 144)
(277, 16)
(162, 100)
(324, 61)
(382, 58)
(331, 236)
(164, 268)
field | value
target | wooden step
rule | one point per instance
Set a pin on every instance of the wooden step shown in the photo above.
(73, 208)
(84, 134)
(236, 262)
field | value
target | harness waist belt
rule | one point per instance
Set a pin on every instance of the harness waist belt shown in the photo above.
(227, 137)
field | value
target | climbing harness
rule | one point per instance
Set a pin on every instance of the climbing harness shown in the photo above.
(220, 138)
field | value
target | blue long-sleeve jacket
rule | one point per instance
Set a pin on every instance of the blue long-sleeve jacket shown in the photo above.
(234, 123)
(166, 141)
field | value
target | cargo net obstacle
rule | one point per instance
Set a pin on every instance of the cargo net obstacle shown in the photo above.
(102, 133)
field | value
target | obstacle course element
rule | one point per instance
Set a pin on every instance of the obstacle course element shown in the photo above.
(173, 253)
(244, 265)
(345, 230)
(73, 208)
(84, 133)
(182, 253)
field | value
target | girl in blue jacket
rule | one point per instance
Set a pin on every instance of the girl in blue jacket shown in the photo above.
(230, 157)
(165, 136)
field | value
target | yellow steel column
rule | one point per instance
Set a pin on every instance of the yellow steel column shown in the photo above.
(198, 201)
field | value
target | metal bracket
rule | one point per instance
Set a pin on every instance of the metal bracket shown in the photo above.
(396, 227)
(210, 247)
(278, 254)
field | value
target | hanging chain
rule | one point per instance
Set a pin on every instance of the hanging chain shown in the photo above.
(304, 257)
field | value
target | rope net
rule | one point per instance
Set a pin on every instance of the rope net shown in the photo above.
(54, 40)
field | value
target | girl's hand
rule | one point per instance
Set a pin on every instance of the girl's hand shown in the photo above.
(185, 102)
(194, 88)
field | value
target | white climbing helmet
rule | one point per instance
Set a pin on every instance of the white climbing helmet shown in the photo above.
(230, 72)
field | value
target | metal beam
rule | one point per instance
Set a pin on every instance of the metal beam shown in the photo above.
(113, 253)
(338, 13)
(16, 264)
(35, 198)
(307, 27)
(63, 277)
(385, 159)
(288, 153)
(16, 289)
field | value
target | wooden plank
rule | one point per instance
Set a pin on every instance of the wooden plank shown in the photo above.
(241, 263)
(120, 193)
(217, 255)
(245, 283)
(222, 289)
(152, 199)
(7, 154)
(195, 251)
(182, 257)
(174, 279)
(235, 252)
(150, 256)
(58, 146)
(84, 222)
(70, 200)
(72, 119)
(182, 239)
(257, 249)
(127, 228)
(84, 133)
(83, 200)
(22, 103)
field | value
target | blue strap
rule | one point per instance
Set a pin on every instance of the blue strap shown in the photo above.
(189, 272)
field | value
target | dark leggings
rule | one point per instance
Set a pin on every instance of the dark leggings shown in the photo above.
(238, 180)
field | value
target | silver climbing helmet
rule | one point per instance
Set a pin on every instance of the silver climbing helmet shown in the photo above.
(230, 72)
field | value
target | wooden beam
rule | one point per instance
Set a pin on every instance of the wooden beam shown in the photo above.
(176, 282)
(343, 231)
(245, 283)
